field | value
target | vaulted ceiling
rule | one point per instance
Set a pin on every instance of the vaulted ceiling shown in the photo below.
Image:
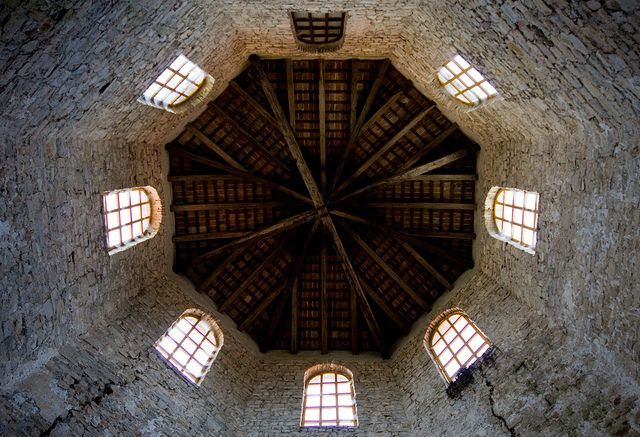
(323, 204)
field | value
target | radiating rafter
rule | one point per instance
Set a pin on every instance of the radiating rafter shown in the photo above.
(385, 267)
(324, 304)
(292, 278)
(213, 146)
(374, 328)
(289, 137)
(428, 148)
(360, 121)
(255, 273)
(254, 104)
(258, 235)
(322, 110)
(403, 236)
(407, 175)
(236, 172)
(382, 150)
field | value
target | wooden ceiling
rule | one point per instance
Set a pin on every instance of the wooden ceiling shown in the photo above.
(323, 204)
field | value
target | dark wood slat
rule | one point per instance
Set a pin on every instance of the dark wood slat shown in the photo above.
(293, 277)
(355, 347)
(387, 269)
(382, 150)
(428, 148)
(258, 235)
(372, 324)
(285, 128)
(208, 236)
(323, 128)
(407, 175)
(384, 110)
(386, 308)
(399, 235)
(291, 94)
(254, 103)
(451, 235)
(427, 266)
(360, 121)
(255, 273)
(251, 137)
(353, 102)
(260, 308)
(444, 177)
(293, 348)
(213, 146)
(232, 205)
(226, 263)
(430, 166)
(236, 172)
(324, 305)
(418, 205)
(203, 177)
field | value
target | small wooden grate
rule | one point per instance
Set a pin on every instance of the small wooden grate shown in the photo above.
(457, 343)
(464, 82)
(190, 346)
(317, 30)
(127, 215)
(516, 215)
(176, 83)
(329, 400)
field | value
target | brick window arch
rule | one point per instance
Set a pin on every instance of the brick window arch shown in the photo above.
(131, 215)
(191, 344)
(181, 86)
(329, 397)
(511, 215)
(454, 342)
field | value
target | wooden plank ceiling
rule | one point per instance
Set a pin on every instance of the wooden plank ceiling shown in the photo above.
(323, 204)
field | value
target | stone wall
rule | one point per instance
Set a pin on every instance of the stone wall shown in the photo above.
(540, 380)
(112, 382)
(57, 277)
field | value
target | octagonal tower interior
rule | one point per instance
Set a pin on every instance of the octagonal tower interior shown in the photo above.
(78, 325)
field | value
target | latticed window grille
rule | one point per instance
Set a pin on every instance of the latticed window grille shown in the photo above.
(190, 345)
(177, 83)
(516, 215)
(456, 343)
(329, 400)
(318, 31)
(127, 215)
(464, 82)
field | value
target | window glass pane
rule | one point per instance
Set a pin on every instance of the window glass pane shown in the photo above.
(329, 414)
(312, 414)
(329, 401)
(345, 400)
(456, 345)
(328, 377)
(181, 346)
(445, 356)
(345, 413)
(313, 389)
(313, 401)
(452, 368)
(342, 378)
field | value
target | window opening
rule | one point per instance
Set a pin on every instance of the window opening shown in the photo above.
(464, 82)
(179, 82)
(515, 213)
(127, 216)
(191, 345)
(318, 32)
(329, 400)
(455, 342)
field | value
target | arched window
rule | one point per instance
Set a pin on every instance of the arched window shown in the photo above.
(464, 82)
(131, 215)
(329, 397)
(181, 86)
(191, 344)
(511, 215)
(318, 32)
(454, 342)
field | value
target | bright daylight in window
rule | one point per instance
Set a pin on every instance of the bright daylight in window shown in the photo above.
(464, 82)
(175, 85)
(516, 215)
(457, 343)
(190, 346)
(127, 215)
(329, 401)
